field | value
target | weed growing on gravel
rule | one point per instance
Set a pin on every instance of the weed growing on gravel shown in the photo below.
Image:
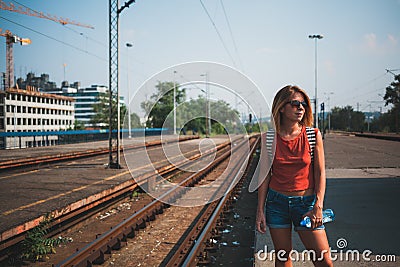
(37, 245)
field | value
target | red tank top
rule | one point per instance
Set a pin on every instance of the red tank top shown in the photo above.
(292, 169)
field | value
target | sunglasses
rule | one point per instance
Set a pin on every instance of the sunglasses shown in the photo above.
(296, 103)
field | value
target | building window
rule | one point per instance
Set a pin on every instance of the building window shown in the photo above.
(8, 121)
(2, 126)
(23, 109)
(8, 108)
(18, 109)
(19, 121)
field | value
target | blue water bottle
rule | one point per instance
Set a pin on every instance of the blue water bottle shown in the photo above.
(327, 216)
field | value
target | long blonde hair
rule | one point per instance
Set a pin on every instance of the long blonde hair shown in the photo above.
(280, 100)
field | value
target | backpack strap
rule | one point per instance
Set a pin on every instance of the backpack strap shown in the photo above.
(311, 140)
(270, 136)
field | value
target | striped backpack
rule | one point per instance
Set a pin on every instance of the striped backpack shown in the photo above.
(270, 137)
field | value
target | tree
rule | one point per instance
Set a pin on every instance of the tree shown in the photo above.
(101, 109)
(78, 125)
(161, 104)
(190, 115)
(385, 122)
(347, 119)
(194, 115)
(135, 120)
(392, 96)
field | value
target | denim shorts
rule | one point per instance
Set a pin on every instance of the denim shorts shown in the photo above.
(282, 211)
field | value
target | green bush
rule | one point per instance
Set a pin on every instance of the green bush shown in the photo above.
(37, 245)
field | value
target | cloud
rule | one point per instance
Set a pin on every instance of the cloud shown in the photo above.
(370, 40)
(372, 44)
(392, 40)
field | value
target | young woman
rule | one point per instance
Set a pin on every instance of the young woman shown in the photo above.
(295, 185)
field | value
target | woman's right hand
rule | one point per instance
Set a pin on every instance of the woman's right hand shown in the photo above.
(261, 224)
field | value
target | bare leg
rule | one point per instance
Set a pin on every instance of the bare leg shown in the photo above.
(318, 242)
(282, 239)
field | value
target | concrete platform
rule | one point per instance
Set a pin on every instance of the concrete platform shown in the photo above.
(366, 219)
(362, 188)
(33, 152)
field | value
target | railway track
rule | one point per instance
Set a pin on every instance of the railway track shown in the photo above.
(100, 249)
(66, 216)
(193, 251)
(74, 217)
(26, 162)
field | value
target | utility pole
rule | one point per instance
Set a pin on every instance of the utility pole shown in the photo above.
(114, 12)
(316, 37)
(391, 71)
(128, 45)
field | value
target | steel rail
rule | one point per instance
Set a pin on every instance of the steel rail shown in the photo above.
(25, 162)
(98, 250)
(193, 249)
(59, 221)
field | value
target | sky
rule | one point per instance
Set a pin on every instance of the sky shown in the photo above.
(265, 40)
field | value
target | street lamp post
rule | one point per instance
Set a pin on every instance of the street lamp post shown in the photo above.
(174, 104)
(208, 119)
(128, 45)
(329, 110)
(316, 37)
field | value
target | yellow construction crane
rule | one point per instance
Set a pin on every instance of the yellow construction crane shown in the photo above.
(30, 12)
(11, 39)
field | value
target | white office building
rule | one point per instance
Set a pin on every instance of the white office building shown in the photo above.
(31, 111)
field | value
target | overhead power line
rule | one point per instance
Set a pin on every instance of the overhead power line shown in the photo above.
(54, 39)
(218, 33)
(231, 33)
(391, 71)
(64, 25)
